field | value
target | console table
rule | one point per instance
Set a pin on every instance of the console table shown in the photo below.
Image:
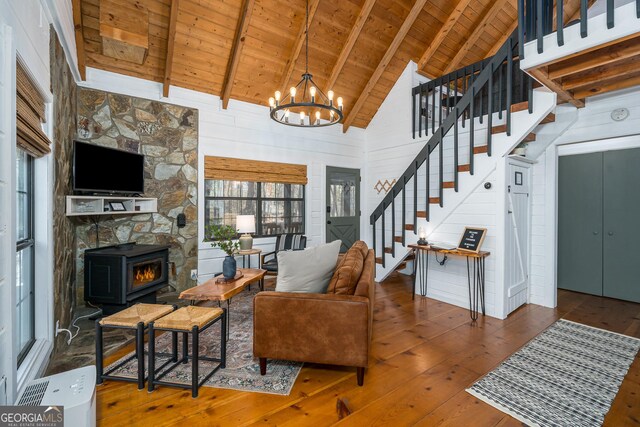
(475, 273)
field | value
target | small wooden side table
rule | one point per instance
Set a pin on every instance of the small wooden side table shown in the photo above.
(247, 254)
(475, 274)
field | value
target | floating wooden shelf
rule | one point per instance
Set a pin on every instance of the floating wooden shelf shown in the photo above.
(100, 205)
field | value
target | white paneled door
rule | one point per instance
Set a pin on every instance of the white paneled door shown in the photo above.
(7, 247)
(517, 234)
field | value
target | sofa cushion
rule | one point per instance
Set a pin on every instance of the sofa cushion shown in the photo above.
(348, 272)
(307, 271)
(362, 247)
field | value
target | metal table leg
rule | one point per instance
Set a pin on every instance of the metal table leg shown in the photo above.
(415, 269)
(476, 287)
(424, 272)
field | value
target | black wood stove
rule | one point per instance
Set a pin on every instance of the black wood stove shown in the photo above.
(116, 277)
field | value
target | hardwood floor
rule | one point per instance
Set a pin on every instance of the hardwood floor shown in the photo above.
(424, 354)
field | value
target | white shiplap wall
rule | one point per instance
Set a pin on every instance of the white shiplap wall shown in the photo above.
(593, 123)
(245, 131)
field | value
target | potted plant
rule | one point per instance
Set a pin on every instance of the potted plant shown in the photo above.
(222, 236)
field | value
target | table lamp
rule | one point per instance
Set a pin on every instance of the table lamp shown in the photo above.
(246, 224)
(422, 234)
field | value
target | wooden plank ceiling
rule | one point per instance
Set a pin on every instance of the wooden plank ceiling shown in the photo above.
(247, 49)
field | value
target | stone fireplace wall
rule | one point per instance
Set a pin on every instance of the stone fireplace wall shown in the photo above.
(168, 137)
(63, 88)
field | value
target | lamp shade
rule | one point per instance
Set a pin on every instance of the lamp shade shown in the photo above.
(246, 223)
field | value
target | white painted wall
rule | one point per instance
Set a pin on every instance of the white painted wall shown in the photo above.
(29, 25)
(246, 131)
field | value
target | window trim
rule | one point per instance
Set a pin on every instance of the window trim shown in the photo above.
(259, 199)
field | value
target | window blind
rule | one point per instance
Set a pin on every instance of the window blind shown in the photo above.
(254, 170)
(30, 114)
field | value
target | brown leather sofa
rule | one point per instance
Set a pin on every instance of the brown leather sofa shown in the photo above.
(327, 328)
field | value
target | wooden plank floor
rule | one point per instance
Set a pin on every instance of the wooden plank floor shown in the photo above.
(424, 354)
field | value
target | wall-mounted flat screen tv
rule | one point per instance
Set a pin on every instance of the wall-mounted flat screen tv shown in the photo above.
(98, 169)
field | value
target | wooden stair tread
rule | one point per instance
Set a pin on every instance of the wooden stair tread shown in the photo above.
(388, 250)
(448, 184)
(397, 239)
(379, 260)
(464, 168)
(549, 119)
(521, 106)
(408, 227)
(481, 149)
(421, 214)
(503, 128)
(434, 200)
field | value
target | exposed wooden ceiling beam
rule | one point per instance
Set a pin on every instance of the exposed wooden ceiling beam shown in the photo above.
(295, 52)
(79, 36)
(351, 40)
(386, 59)
(236, 50)
(486, 20)
(542, 75)
(171, 41)
(448, 25)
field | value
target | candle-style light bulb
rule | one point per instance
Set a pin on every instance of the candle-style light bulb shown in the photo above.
(292, 92)
(340, 101)
(312, 91)
(301, 117)
(278, 95)
(317, 117)
(330, 95)
(286, 116)
(272, 102)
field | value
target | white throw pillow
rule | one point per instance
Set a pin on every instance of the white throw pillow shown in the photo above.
(307, 271)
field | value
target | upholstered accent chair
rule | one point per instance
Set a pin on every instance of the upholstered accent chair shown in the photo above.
(284, 242)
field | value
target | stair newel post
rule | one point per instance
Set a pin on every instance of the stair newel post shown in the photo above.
(433, 108)
(490, 108)
(509, 88)
(471, 128)
(441, 168)
(373, 224)
(415, 195)
(559, 22)
(404, 209)
(393, 223)
(420, 109)
(455, 149)
(583, 18)
(384, 210)
(427, 174)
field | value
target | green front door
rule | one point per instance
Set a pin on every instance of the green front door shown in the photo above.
(343, 206)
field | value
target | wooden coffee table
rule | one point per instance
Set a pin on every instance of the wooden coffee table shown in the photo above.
(212, 291)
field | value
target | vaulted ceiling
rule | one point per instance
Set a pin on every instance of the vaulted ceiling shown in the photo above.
(247, 49)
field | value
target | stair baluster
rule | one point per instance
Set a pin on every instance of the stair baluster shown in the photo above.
(509, 84)
(471, 127)
(441, 167)
(404, 210)
(393, 223)
(490, 108)
(384, 230)
(433, 110)
(455, 150)
(427, 179)
(415, 194)
(420, 118)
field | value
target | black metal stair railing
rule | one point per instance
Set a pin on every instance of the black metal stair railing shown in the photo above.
(481, 89)
(536, 20)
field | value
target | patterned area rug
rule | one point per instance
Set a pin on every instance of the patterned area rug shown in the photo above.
(566, 376)
(242, 371)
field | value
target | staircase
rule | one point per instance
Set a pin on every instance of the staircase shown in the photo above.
(483, 111)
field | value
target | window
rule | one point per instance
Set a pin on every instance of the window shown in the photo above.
(25, 280)
(278, 208)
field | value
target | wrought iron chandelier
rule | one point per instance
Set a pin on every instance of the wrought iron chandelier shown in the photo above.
(306, 105)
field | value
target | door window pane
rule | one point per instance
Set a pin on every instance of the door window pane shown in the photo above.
(342, 198)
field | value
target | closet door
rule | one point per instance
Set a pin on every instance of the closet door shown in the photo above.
(621, 223)
(580, 186)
